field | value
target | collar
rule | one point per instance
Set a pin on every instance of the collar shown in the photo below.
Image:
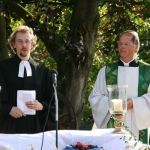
(24, 65)
(132, 63)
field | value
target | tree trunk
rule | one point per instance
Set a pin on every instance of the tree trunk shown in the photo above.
(80, 48)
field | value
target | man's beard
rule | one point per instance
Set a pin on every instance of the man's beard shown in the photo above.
(23, 54)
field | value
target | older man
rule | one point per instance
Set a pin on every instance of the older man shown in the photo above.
(128, 70)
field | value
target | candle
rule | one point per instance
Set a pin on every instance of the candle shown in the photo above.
(117, 105)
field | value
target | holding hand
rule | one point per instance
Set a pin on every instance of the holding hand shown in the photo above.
(16, 112)
(34, 105)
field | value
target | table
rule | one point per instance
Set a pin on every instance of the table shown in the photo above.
(100, 137)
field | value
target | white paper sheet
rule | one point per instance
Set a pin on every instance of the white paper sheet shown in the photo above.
(24, 96)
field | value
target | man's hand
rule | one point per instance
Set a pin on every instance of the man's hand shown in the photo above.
(129, 103)
(34, 105)
(15, 112)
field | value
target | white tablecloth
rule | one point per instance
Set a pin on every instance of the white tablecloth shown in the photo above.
(100, 137)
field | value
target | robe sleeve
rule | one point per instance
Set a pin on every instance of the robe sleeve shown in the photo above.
(99, 101)
(141, 108)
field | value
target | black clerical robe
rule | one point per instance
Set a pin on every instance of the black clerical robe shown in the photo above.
(41, 82)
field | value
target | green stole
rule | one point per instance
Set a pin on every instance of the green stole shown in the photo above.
(144, 81)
